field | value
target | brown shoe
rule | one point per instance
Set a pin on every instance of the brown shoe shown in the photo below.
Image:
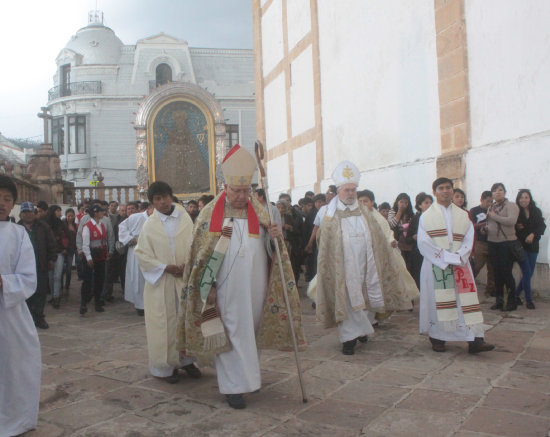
(437, 345)
(479, 345)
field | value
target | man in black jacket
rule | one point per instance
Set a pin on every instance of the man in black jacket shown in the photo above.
(44, 244)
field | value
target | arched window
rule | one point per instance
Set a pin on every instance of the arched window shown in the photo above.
(163, 74)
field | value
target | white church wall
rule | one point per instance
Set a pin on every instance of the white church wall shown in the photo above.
(272, 36)
(378, 84)
(301, 93)
(509, 67)
(298, 20)
(278, 173)
(508, 49)
(275, 112)
(305, 170)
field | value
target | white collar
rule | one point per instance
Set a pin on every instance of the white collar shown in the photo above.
(175, 214)
(341, 206)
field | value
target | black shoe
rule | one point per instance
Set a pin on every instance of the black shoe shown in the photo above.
(437, 345)
(479, 345)
(110, 298)
(348, 347)
(363, 339)
(99, 309)
(83, 309)
(236, 401)
(101, 303)
(173, 378)
(41, 323)
(192, 371)
(530, 305)
(519, 301)
(140, 312)
(498, 306)
(55, 303)
(511, 304)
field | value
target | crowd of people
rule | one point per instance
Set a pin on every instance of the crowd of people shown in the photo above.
(204, 274)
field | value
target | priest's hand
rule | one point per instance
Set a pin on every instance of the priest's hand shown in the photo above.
(393, 244)
(211, 299)
(274, 231)
(132, 242)
(174, 270)
(90, 263)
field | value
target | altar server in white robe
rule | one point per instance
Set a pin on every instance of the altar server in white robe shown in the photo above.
(162, 250)
(356, 270)
(20, 360)
(128, 233)
(449, 305)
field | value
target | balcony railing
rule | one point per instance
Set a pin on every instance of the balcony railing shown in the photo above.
(75, 89)
(122, 194)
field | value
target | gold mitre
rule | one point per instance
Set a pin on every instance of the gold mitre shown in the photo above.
(238, 166)
(346, 173)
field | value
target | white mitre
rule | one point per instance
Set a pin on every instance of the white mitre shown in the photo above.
(346, 173)
(238, 166)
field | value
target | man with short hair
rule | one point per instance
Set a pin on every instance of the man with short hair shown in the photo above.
(162, 250)
(309, 194)
(331, 193)
(41, 210)
(356, 271)
(45, 252)
(20, 360)
(478, 215)
(96, 252)
(122, 211)
(449, 305)
(110, 240)
(193, 209)
(233, 301)
(366, 197)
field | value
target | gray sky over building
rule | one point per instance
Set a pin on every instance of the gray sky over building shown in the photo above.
(33, 33)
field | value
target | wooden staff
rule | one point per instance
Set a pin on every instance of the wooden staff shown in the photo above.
(259, 149)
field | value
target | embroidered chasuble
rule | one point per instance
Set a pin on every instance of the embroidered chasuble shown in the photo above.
(449, 301)
(261, 320)
(337, 279)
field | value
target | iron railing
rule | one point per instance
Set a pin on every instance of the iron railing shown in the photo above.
(75, 89)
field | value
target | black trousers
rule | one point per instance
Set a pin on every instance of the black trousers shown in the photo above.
(37, 301)
(92, 282)
(500, 256)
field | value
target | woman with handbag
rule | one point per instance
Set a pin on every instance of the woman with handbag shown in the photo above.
(503, 246)
(529, 228)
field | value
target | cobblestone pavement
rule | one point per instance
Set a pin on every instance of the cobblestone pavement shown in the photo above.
(95, 382)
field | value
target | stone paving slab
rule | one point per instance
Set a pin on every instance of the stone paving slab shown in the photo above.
(95, 382)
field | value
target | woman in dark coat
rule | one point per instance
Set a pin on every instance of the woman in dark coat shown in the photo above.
(529, 228)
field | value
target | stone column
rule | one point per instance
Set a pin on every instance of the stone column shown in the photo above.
(454, 102)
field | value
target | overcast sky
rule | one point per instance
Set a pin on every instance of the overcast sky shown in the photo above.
(33, 32)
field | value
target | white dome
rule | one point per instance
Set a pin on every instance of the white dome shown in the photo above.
(97, 44)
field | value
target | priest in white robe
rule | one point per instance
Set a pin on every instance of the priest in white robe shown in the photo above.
(449, 305)
(20, 359)
(356, 270)
(232, 304)
(128, 233)
(162, 251)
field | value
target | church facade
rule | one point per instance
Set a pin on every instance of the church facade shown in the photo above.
(99, 91)
(408, 91)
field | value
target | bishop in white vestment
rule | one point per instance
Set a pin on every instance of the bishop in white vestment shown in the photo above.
(232, 304)
(356, 268)
(20, 359)
(449, 306)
